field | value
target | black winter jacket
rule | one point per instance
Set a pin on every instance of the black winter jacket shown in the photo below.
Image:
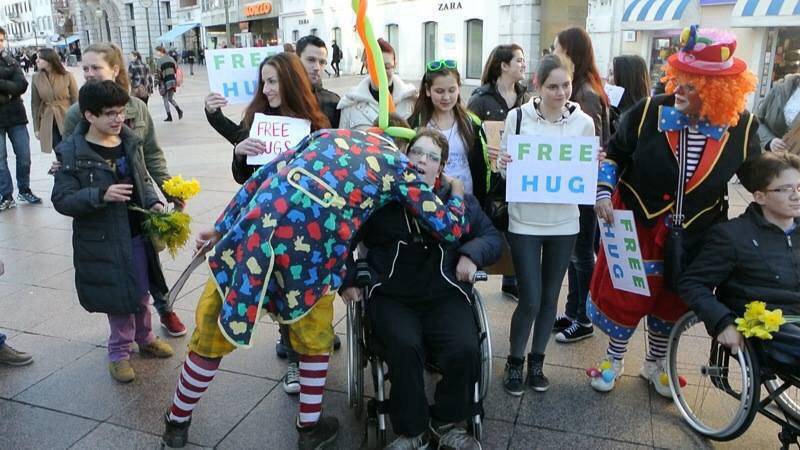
(745, 259)
(406, 262)
(487, 103)
(328, 100)
(101, 235)
(12, 86)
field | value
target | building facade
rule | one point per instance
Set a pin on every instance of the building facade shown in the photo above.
(423, 30)
(29, 23)
(768, 32)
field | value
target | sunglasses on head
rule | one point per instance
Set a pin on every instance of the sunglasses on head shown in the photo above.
(435, 66)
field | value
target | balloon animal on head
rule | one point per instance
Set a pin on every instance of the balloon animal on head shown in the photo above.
(377, 72)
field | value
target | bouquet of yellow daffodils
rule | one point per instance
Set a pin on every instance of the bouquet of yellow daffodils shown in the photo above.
(170, 228)
(760, 322)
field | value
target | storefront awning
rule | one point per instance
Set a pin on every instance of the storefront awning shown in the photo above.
(177, 31)
(58, 41)
(766, 13)
(654, 14)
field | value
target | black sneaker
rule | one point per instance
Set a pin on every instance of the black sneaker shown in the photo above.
(575, 333)
(337, 343)
(6, 202)
(28, 196)
(280, 349)
(512, 378)
(176, 434)
(562, 323)
(512, 291)
(318, 436)
(536, 379)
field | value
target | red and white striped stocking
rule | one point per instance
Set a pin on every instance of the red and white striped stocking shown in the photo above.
(313, 371)
(195, 377)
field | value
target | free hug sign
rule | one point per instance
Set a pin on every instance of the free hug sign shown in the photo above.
(233, 72)
(548, 169)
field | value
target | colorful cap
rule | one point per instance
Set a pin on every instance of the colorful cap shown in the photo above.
(707, 52)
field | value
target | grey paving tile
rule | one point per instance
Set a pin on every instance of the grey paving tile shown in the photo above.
(85, 387)
(498, 404)
(271, 423)
(64, 281)
(31, 306)
(538, 438)
(224, 404)
(496, 434)
(7, 288)
(50, 355)
(120, 438)
(76, 324)
(36, 267)
(260, 360)
(28, 427)
(40, 240)
(621, 414)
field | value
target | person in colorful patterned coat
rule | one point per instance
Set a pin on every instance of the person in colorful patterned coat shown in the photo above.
(281, 246)
(703, 117)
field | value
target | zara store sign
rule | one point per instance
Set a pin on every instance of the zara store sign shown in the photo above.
(450, 6)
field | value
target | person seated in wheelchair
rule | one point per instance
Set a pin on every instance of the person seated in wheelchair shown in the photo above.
(753, 257)
(420, 298)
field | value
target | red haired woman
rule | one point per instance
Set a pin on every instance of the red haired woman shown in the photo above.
(669, 162)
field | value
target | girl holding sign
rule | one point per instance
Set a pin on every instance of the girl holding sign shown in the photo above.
(283, 90)
(541, 235)
(439, 107)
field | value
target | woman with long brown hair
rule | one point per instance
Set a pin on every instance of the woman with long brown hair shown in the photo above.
(283, 90)
(53, 90)
(588, 92)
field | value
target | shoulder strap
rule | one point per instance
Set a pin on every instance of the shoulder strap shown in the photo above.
(644, 115)
(519, 120)
(683, 148)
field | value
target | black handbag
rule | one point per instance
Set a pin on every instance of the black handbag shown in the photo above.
(675, 258)
(497, 206)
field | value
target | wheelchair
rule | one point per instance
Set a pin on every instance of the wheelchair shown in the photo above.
(364, 350)
(719, 394)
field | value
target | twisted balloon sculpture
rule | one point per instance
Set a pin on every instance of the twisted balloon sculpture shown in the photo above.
(377, 72)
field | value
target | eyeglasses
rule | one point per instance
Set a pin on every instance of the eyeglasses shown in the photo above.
(435, 66)
(420, 153)
(788, 190)
(111, 115)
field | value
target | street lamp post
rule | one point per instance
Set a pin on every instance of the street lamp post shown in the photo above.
(147, 4)
(227, 24)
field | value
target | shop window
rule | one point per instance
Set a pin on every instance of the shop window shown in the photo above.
(474, 48)
(663, 48)
(787, 53)
(133, 37)
(429, 41)
(130, 11)
(313, 32)
(336, 35)
(167, 9)
(393, 36)
(295, 36)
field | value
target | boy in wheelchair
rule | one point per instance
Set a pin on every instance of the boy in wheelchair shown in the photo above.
(754, 257)
(419, 302)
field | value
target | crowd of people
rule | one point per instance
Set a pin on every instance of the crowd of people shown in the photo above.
(426, 219)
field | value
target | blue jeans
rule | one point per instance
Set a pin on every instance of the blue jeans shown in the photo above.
(18, 135)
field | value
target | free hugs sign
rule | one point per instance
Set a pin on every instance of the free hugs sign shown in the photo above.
(548, 169)
(621, 246)
(233, 72)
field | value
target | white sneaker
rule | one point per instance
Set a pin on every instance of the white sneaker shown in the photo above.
(616, 366)
(291, 381)
(655, 373)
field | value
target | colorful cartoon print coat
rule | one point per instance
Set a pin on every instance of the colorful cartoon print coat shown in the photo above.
(287, 232)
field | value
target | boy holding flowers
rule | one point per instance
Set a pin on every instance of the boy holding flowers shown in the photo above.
(753, 263)
(102, 183)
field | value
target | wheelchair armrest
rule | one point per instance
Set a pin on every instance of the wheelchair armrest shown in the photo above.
(363, 274)
(479, 276)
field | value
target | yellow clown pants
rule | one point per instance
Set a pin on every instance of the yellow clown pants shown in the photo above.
(310, 335)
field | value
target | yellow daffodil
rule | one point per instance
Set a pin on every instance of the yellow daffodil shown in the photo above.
(179, 188)
(773, 320)
(754, 310)
(759, 322)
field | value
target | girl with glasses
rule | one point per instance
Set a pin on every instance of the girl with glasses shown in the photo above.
(439, 107)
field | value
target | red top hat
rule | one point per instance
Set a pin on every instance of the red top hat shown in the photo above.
(709, 52)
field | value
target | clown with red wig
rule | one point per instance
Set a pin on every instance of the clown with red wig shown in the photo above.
(697, 134)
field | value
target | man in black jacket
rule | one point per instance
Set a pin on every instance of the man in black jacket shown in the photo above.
(13, 122)
(314, 55)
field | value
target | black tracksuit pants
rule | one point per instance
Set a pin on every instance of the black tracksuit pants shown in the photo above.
(409, 328)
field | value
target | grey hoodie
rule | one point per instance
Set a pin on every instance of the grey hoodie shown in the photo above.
(771, 121)
(360, 109)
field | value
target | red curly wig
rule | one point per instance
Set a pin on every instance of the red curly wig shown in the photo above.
(724, 97)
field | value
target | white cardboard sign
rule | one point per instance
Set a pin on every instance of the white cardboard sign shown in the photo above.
(614, 94)
(278, 133)
(621, 246)
(552, 169)
(233, 72)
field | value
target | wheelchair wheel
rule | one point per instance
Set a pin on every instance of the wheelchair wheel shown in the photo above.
(355, 358)
(484, 342)
(788, 400)
(716, 393)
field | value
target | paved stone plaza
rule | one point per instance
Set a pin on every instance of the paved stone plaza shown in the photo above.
(66, 398)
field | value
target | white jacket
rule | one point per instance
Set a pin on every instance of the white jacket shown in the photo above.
(545, 219)
(360, 109)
